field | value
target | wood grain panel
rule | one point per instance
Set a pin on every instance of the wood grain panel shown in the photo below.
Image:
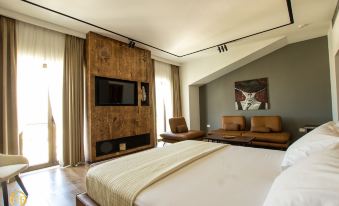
(110, 58)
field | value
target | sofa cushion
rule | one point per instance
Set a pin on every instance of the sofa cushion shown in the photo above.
(223, 132)
(181, 129)
(240, 120)
(192, 134)
(281, 137)
(174, 122)
(260, 129)
(231, 127)
(272, 122)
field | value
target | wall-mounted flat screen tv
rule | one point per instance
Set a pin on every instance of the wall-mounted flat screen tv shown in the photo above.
(115, 92)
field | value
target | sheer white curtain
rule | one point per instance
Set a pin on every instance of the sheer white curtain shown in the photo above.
(164, 96)
(40, 71)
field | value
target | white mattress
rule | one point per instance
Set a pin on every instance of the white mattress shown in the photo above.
(233, 176)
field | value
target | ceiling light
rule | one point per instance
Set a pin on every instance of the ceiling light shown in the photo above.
(226, 49)
(222, 48)
(131, 43)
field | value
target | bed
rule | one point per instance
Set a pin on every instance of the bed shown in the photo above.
(232, 176)
(237, 176)
(218, 178)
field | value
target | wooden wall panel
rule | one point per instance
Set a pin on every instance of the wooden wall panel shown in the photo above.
(110, 58)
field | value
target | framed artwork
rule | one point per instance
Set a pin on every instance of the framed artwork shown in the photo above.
(251, 94)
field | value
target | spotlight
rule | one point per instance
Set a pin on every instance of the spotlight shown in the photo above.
(131, 44)
(222, 48)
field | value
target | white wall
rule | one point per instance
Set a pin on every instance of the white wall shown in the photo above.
(335, 31)
(197, 72)
(194, 108)
(333, 46)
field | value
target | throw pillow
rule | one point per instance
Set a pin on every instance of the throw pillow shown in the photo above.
(313, 181)
(315, 141)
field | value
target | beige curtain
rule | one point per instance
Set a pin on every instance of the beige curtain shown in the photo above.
(154, 103)
(9, 140)
(176, 91)
(73, 102)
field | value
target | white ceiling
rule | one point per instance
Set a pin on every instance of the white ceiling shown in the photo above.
(184, 26)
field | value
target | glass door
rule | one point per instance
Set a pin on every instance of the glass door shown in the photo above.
(37, 133)
(40, 60)
(164, 100)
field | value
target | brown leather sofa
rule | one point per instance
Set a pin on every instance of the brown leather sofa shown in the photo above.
(231, 126)
(267, 131)
(179, 131)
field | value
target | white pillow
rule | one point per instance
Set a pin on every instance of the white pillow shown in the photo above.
(312, 182)
(314, 141)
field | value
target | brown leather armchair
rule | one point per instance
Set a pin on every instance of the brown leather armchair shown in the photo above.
(267, 131)
(231, 126)
(179, 131)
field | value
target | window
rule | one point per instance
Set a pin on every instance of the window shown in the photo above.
(164, 99)
(40, 54)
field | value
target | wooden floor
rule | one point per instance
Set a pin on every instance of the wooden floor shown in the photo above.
(52, 186)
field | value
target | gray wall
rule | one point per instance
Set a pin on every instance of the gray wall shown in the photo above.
(298, 86)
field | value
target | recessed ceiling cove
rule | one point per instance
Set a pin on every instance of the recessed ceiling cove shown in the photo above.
(179, 27)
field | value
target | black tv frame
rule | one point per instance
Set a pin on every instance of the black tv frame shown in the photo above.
(118, 80)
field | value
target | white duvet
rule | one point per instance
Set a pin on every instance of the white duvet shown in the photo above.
(118, 182)
(233, 176)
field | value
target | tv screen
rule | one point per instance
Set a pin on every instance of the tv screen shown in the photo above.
(114, 92)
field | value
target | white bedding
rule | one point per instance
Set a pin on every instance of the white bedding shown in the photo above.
(315, 141)
(118, 182)
(313, 181)
(233, 176)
